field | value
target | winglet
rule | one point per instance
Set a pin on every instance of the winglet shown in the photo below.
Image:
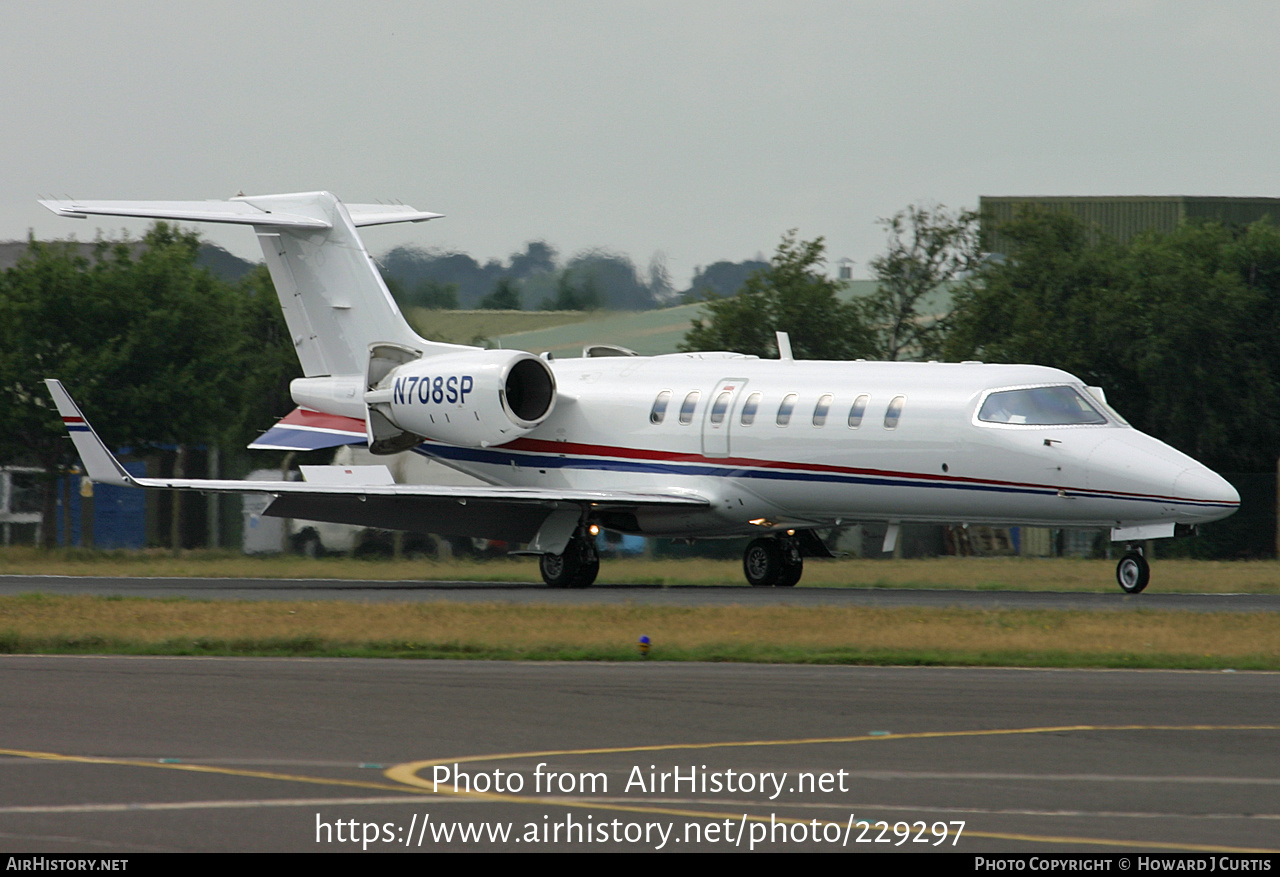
(98, 461)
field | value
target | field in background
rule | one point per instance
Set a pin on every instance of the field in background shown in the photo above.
(968, 573)
(466, 327)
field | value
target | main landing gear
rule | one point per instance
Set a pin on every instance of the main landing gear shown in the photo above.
(1133, 572)
(773, 561)
(577, 567)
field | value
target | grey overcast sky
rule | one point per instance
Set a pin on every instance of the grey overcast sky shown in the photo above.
(700, 129)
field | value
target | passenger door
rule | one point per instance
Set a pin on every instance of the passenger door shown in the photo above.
(718, 420)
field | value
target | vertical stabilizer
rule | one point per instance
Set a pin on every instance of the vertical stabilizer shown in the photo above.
(333, 297)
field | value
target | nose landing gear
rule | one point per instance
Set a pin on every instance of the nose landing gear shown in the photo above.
(1133, 572)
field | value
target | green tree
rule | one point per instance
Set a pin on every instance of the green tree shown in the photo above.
(1059, 298)
(1178, 328)
(791, 295)
(1206, 364)
(614, 279)
(434, 295)
(928, 247)
(42, 316)
(505, 297)
(268, 360)
(142, 333)
(571, 296)
(721, 279)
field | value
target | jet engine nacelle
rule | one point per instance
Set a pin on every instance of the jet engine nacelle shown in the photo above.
(474, 399)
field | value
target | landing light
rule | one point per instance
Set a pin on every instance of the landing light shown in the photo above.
(761, 522)
(594, 529)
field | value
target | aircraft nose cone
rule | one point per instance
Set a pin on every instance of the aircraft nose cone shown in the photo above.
(1215, 494)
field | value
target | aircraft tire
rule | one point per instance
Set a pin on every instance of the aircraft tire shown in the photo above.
(1133, 572)
(790, 576)
(561, 570)
(588, 560)
(577, 567)
(587, 574)
(762, 563)
(308, 544)
(792, 562)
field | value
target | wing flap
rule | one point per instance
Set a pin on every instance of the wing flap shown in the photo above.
(484, 519)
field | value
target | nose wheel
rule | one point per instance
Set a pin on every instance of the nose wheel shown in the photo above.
(1133, 572)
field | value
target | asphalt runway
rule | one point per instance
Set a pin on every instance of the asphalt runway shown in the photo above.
(380, 591)
(113, 755)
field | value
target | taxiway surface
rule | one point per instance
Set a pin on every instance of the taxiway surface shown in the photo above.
(111, 755)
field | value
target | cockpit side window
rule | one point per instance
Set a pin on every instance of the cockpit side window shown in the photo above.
(1040, 406)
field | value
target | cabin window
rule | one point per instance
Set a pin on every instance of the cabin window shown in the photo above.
(659, 409)
(859, 408)
(720, 406)
(749, 409)
(1040, 406)
(820, 410)
(894, 411)
(690, 403)
(785, 409)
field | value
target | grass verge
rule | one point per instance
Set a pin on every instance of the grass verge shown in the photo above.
(44, 624)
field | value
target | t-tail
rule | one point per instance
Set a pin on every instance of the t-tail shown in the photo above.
(359, 356)
(334, 300)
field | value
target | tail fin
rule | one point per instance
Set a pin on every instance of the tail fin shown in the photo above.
(333, 297)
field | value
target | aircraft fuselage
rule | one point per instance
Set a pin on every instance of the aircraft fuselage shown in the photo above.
(685, 445)
(861, 441)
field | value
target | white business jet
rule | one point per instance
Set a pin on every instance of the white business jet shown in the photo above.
(692, 445)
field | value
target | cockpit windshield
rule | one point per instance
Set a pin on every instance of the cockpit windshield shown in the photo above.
(1040, 406)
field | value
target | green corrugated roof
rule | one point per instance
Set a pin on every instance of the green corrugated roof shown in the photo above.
(1124, 216)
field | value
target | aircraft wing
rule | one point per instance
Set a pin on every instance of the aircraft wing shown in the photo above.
(361, 495)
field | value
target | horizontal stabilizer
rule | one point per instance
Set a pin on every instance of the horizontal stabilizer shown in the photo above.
(246, 210)
(307, 430)
(384, 214)
(235, 212)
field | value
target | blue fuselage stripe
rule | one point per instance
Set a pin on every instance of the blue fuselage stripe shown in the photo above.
(539, 461)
